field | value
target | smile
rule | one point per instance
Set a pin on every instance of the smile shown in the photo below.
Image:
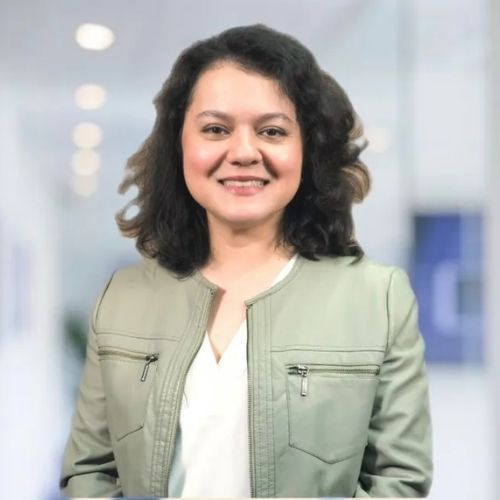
(243, 187)
(250, 183)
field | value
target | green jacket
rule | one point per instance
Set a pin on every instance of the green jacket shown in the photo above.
(338, 395)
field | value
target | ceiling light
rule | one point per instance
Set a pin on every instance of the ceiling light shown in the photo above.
(85, 162)
(87, 135)
(84, 185)
(90, 96)
(94, 36)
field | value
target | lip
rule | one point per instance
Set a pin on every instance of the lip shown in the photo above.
(243, 178)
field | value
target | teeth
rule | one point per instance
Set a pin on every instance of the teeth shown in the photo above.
(253, 183)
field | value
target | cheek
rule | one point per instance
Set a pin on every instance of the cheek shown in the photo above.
(200, 159)
(289, 162)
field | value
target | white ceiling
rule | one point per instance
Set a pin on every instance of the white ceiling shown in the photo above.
(37, 37)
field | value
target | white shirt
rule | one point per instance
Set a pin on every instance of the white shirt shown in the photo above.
(211, 455)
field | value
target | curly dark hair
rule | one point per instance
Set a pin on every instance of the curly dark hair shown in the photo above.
(172, 227)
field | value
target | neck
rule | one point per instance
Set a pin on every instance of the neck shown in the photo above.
(240, 250)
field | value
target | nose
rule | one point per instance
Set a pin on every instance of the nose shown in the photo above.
(243, 149)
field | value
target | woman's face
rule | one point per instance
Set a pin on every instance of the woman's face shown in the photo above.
(242, 147)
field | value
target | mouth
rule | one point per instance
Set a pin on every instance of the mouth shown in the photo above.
(243, 186)
(243, 182)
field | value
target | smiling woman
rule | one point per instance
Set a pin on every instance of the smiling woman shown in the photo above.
(255, 351)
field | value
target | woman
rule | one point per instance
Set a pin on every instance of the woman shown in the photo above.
(255, 350)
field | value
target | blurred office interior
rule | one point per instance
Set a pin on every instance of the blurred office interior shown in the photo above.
(422, 76)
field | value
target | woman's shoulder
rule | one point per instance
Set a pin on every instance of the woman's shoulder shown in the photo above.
(145, 272)
(355, 271)
(133, 289)
(139, 279)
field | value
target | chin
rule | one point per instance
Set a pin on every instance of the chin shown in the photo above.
(244, 221)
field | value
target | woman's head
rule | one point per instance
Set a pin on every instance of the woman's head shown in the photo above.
(314, 163)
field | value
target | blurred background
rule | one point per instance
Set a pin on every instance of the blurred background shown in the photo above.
(76, 101)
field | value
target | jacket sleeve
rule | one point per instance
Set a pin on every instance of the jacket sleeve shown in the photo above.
(398, 457)
(89, 468)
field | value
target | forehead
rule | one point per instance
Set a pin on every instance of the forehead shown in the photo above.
(229, 88)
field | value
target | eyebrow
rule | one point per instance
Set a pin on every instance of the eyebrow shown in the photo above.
(224, 116)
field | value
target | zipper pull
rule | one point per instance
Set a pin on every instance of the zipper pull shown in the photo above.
(303, 371)
(150, 358)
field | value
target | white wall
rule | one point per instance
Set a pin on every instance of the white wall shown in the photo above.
(30, 336)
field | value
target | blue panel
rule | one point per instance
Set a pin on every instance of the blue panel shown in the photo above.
(446, 276)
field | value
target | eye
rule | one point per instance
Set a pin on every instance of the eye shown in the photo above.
(273, 132)
(215, 130)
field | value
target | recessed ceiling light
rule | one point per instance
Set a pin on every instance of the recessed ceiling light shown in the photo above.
(87, 135)
(90, 96)
(94, 36)
(85, 162)
(84, 185)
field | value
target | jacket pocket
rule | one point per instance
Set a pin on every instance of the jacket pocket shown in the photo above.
(128, 378)
(329, 408)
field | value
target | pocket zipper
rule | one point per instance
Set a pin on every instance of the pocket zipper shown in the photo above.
(304, 370)
(148, 358)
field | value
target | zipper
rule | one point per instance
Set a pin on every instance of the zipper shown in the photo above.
(304, 371)
(150, 358)
(250, 417)
(136, 356)
(178, 402)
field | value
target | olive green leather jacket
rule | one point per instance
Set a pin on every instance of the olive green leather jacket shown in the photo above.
(338, 395)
